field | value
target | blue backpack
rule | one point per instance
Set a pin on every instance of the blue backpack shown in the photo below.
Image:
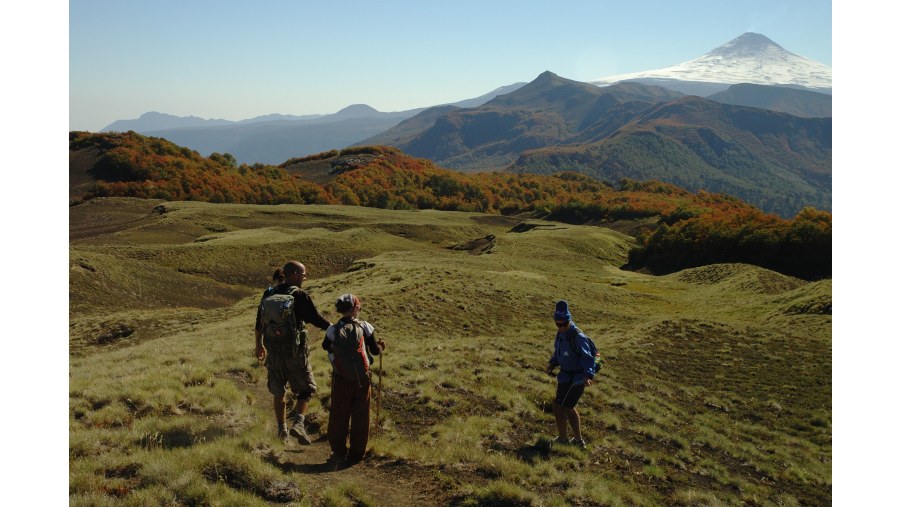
(598, 361)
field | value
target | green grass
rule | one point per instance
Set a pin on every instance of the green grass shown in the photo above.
(716, 386)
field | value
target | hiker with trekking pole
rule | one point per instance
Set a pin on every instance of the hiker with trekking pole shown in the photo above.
(281, 340)
(351, 343)
(576, 356)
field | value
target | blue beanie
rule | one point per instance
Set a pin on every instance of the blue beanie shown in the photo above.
(562, 311)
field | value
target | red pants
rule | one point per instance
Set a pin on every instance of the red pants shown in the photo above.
(349, 414)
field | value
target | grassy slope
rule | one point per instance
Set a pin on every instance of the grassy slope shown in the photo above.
(716, 388)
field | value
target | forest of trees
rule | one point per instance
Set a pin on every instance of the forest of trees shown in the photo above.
(692, 229)
(149, 167)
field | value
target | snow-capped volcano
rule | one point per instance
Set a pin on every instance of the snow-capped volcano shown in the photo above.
(750, 58)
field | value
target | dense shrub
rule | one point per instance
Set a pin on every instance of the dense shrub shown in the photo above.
(800, 247)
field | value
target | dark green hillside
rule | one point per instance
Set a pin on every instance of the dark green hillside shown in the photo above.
(546, 112)
(803, 103)
(486, 139)
(409, 128)
(802, 145)
(778, 162)
(700, 161)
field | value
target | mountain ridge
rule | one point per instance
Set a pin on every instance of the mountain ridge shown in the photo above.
(636, 131)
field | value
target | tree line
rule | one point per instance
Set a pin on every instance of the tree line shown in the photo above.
(692, 229)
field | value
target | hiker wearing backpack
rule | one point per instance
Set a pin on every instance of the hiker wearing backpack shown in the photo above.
(277, 278)
(282, 341)
(352, 343)
(575, 355)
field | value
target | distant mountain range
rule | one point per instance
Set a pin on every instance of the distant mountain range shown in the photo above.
(274, 138)
(152, 121)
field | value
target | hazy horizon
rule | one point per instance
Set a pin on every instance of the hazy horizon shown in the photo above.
(237, 60)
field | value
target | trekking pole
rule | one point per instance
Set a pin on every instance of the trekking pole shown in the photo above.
(379, 391)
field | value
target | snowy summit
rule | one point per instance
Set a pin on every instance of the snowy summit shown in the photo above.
(750, 58)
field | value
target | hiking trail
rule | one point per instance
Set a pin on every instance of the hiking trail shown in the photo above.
(387, 481)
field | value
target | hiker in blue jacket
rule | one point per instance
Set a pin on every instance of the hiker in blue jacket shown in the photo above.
(572, 354)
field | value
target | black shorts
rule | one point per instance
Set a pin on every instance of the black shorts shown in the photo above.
(568, 395)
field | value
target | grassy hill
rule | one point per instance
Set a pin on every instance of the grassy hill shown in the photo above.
(716, 388)
(704, 228)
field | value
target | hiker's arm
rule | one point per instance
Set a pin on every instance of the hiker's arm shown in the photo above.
(375, 346)
(552, 363)
(328, 340)
(308, 312)
(554, 360)
(257, 331)
(260, 350)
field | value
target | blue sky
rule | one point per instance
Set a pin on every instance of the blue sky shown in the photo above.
(240, 59)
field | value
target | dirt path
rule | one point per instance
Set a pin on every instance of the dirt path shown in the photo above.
(386, 482)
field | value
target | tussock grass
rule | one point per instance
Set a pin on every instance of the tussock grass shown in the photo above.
(499, 493)
(716, 386)
(347, 495)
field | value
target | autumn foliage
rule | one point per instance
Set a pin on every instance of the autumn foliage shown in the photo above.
(722, 232)
(133, 165)
(685, 229)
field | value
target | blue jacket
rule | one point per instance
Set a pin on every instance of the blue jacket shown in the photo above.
(572, 354)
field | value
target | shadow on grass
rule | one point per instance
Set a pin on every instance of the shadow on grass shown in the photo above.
(533, 453)
(314, 468)
(329, 465)
(179, 438)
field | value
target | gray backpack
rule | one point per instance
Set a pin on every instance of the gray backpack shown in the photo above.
(349, 347)
(282, 333)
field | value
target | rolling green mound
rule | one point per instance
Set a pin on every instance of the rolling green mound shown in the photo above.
(811, 299)
(715, 390)
(741, 276)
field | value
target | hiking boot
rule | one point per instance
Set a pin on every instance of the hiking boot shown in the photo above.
(578, 443)
(283, 435)
(299, 432)
(558, 441)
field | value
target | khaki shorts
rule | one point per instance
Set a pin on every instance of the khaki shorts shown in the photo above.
(284, 369)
